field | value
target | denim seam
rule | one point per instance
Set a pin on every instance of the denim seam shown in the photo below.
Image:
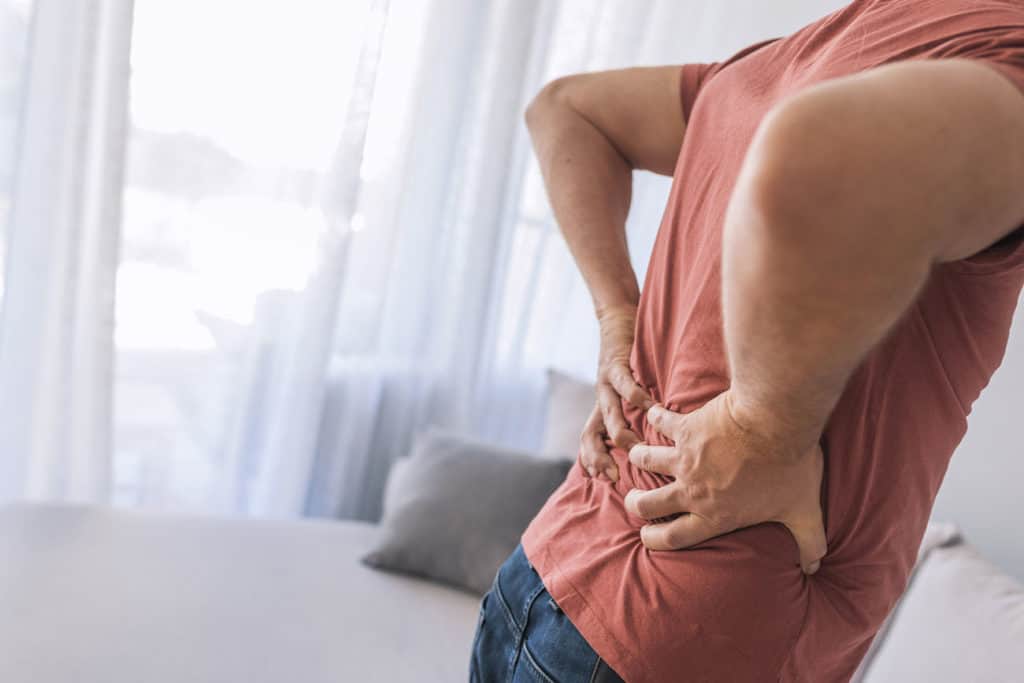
(521, 639)
(597, 665)
(536, 666)
(507, 611)
(530, 599)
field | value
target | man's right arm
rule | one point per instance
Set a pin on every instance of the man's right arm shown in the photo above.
(590, 131)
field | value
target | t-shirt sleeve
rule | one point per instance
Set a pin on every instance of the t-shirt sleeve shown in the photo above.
(693, 76)
(1002, 48)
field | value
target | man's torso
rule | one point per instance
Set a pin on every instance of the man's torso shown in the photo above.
(739, 603)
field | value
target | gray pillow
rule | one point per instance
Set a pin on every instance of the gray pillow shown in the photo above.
(457, 507)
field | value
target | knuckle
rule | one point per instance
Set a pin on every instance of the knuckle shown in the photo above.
(643, 458)
(726, 521)
(621, 438)
(592, 450)
(696, 490)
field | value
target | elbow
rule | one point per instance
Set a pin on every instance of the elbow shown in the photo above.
(793, 169)
(807, 171)
(541, 107)
(818, 181)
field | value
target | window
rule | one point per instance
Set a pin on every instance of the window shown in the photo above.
(236, 110)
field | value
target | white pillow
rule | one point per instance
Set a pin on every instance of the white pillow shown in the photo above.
(961, 620)
(570, 402)
(937, 535)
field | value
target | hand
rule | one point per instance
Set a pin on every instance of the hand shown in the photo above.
(606, 424)
(728, 475)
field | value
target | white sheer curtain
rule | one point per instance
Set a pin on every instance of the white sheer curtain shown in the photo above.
(334, 234)
(61, 235)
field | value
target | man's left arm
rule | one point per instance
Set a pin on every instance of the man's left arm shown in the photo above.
(851, 191)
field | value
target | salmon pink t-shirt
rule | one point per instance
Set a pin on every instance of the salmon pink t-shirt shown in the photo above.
(738, 607)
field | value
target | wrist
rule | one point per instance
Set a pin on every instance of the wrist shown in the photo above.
(614, 312)
(789, 436)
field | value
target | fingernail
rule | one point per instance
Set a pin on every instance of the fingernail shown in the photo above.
(814, 566)
(590, 469)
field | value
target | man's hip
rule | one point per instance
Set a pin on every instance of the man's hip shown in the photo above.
(522, 634)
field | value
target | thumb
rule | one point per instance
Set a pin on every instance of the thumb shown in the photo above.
(809, 534)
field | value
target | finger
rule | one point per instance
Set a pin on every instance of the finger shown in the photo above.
(591, 442)
(682, 532)
(660, 502)
(622, 380)
(806, 522)
(594, 457)
(660, 459)
(665, 421)
(811, 543)
(614, 422)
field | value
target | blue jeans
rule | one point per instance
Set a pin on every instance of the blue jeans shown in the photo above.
(523, 636)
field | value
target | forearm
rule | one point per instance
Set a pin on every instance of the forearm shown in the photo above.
(589, 185)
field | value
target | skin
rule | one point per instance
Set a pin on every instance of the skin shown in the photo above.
(851, 191)
(589, 135)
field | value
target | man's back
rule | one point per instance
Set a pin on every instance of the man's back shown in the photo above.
(737, 607)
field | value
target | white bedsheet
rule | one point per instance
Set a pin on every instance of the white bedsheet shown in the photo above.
(94, 595)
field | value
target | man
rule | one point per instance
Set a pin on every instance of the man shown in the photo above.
(830, 289)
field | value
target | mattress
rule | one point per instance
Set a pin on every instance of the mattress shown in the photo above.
(96, 595)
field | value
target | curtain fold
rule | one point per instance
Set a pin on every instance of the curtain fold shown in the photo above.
(298, 376)
(56, 331)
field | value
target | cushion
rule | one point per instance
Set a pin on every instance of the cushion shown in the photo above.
(456, 508)
(961, 620)
(937, 535)
(570, 402)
